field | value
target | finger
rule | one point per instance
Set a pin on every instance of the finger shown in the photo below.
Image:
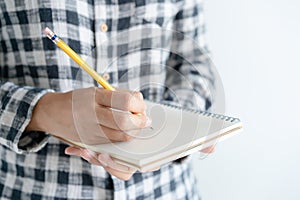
(209, 149)
(106, 135)
(73, 151)
(101, 137)
(152, 170)
(92, 158)
(107, 161)
(121, 175)
(117, 135)
(122, 100)
(86, 154)
(121, 120)
(137, 94)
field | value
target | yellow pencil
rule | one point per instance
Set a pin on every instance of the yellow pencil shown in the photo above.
(70, 52)
(62, 45)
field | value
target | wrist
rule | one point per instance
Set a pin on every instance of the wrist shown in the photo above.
(42, 113)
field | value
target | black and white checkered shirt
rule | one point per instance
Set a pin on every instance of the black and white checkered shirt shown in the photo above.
(155, 46)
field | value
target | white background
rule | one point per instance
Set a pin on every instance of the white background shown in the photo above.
(256, 48)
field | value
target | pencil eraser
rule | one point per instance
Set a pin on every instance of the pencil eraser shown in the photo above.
(47, 31)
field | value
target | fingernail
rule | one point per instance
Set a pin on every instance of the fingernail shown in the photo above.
(70, 152)
(102, 160)
(148, 122)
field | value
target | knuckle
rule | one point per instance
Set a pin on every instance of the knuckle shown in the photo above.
(92, 91)
(138, 95)
(93, 88)
(126, 138)
(98, 90)
(143, 121)
(127, 177)
(123, 176)
(102, 94)
(127, 101)
(143, 106)
(122, 123)
(86, 156)
(107, 138)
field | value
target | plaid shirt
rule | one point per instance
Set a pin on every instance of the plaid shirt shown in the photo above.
(133, 43)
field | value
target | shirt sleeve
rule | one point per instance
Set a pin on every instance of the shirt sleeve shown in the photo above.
(190, 79)
(17, 104)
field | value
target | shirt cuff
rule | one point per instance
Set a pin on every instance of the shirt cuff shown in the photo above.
(16, 112)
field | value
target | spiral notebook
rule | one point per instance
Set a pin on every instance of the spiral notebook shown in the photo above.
(174, 133)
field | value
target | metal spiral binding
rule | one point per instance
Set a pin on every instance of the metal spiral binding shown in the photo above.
(204, 113)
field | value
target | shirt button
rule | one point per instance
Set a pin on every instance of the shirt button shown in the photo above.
(106, 76)
(104, 27)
